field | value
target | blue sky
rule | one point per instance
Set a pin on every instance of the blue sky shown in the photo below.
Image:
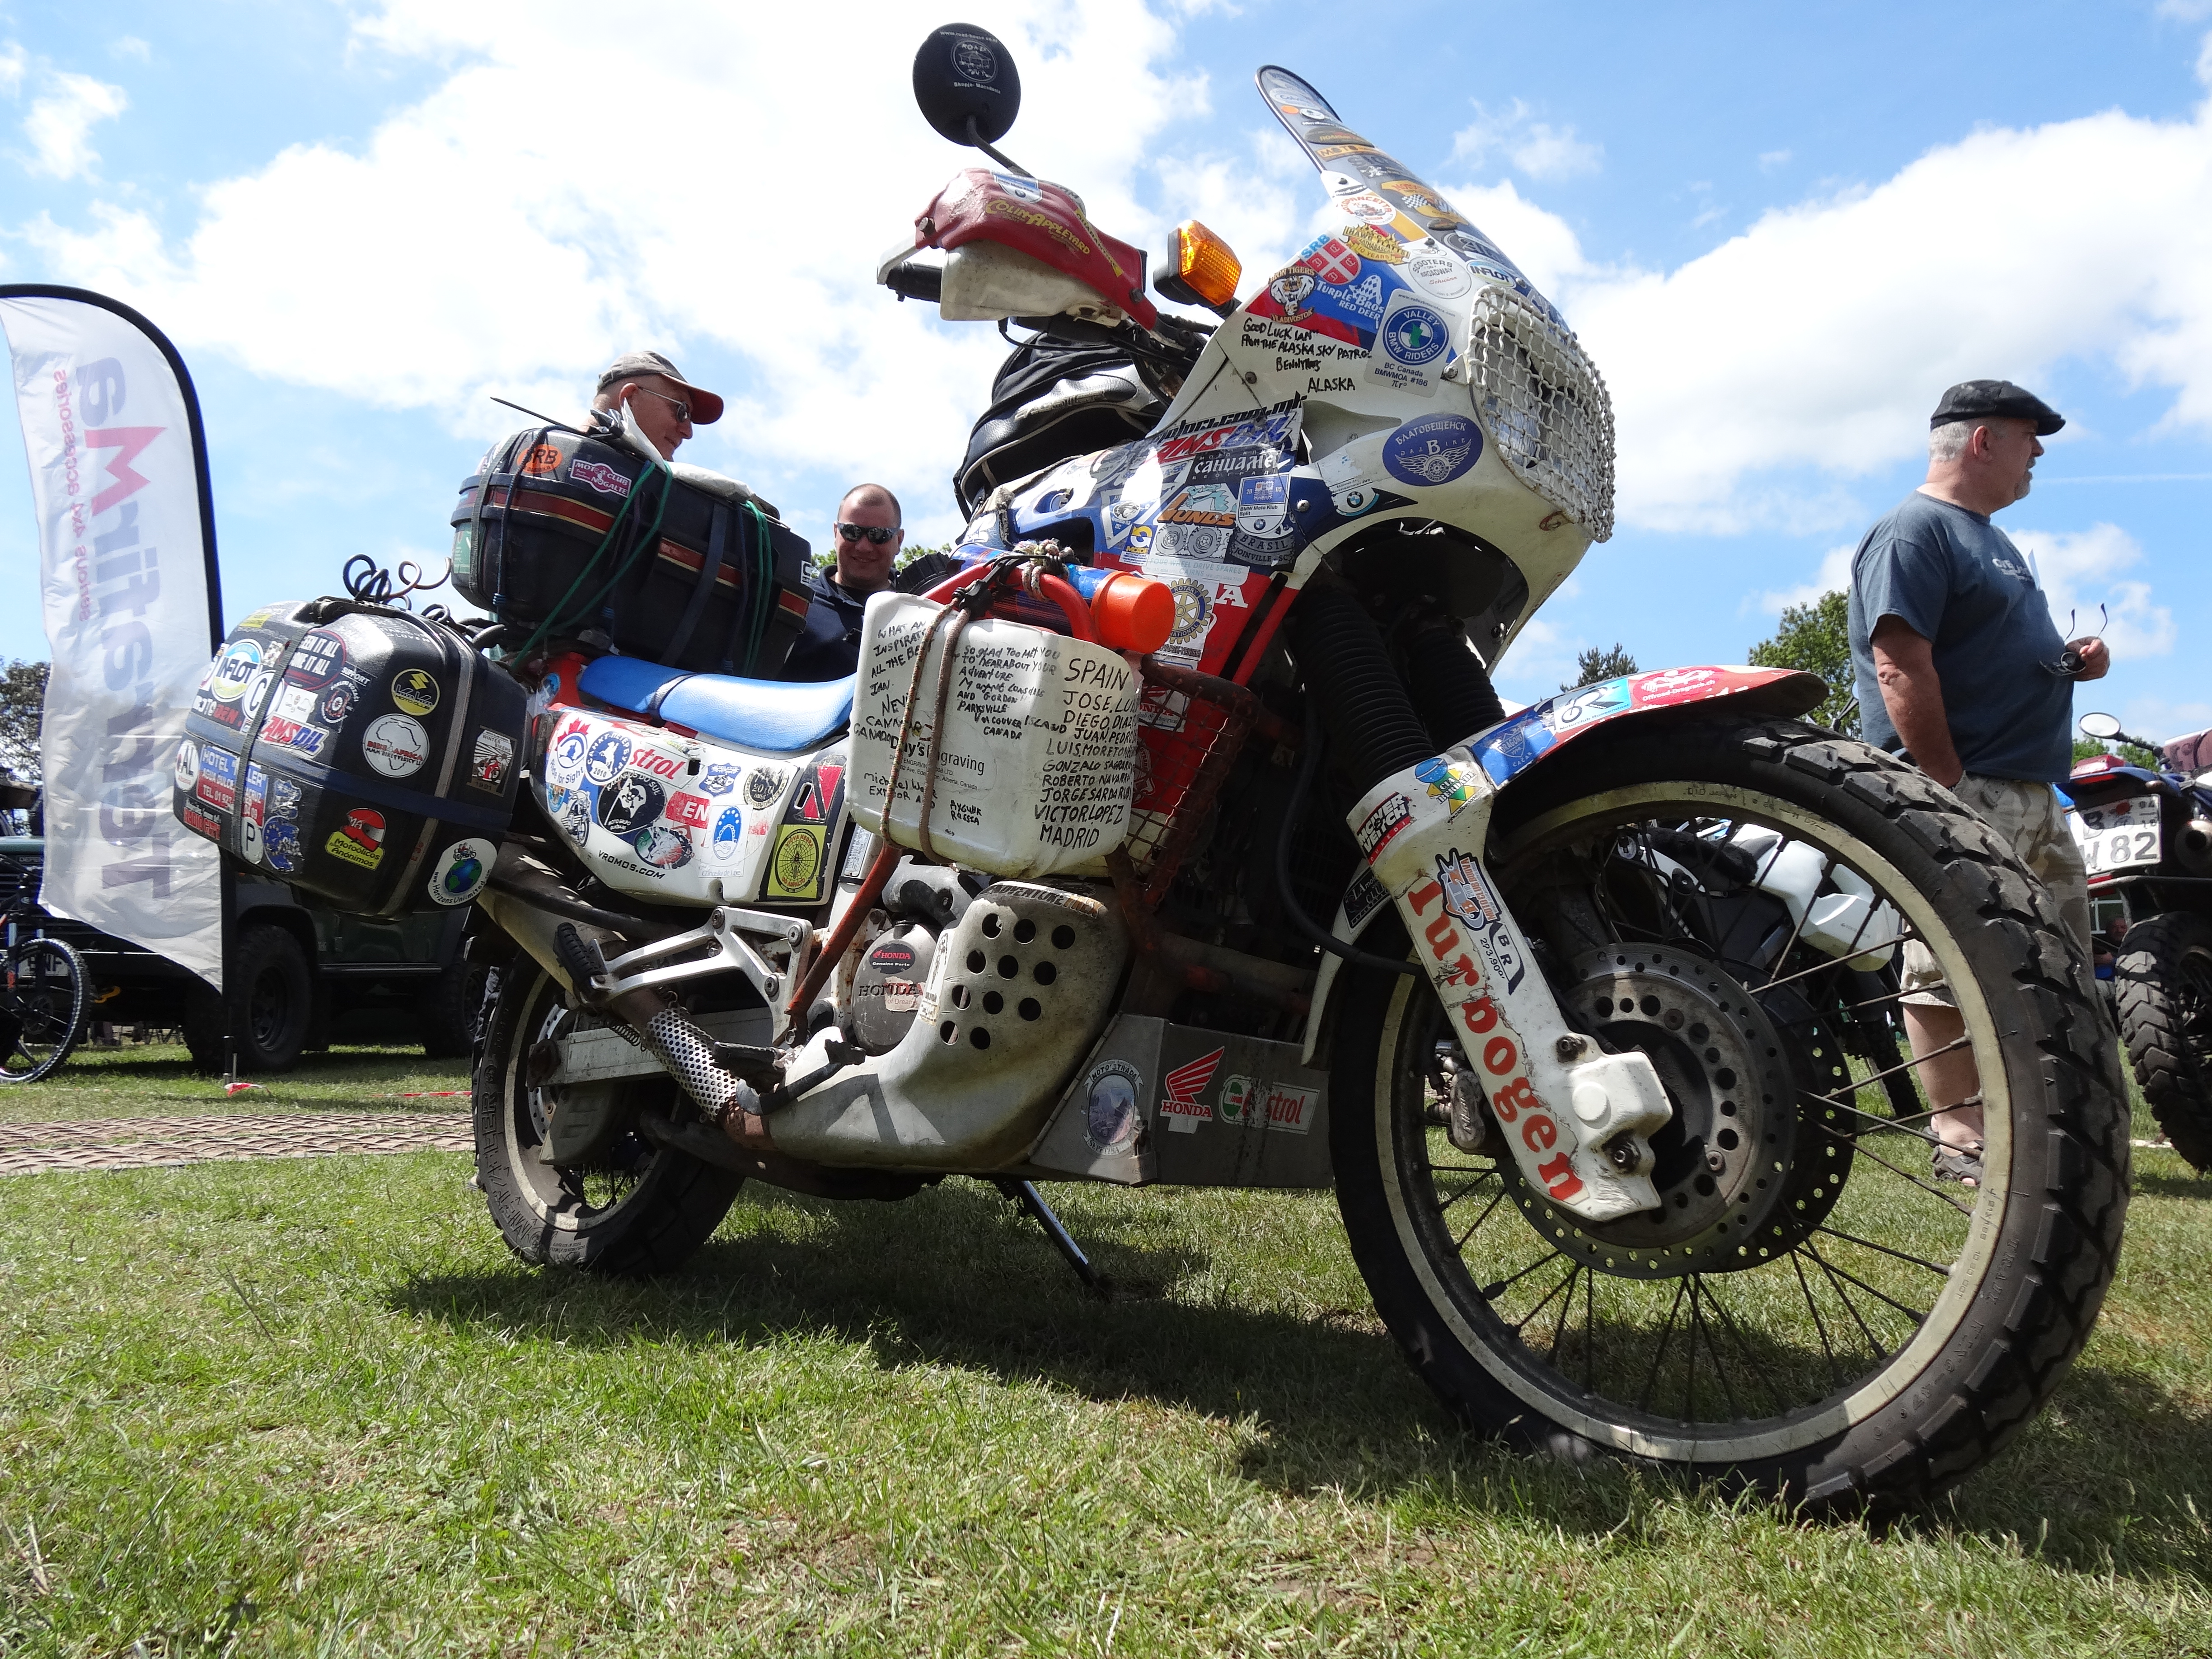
(1781, 232)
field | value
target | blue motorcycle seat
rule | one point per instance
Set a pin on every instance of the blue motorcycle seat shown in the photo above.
(773, 715)
(778, 715)
(629, 684)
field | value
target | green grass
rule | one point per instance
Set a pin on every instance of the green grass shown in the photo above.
(311, 1408)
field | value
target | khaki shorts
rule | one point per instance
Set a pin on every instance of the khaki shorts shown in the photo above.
(2028, 816)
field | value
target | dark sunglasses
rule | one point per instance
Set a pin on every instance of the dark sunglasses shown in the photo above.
(876, 533)
(682, 409)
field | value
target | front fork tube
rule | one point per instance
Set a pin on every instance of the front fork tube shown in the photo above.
(1578, 1121)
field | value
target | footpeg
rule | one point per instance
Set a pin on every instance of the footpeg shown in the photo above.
(585, 964)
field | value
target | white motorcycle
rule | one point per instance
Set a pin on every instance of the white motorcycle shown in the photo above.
(1176, 837)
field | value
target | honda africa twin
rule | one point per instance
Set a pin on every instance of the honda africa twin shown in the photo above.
(1177, 837)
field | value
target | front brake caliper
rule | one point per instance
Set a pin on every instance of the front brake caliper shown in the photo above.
(1578, 1121)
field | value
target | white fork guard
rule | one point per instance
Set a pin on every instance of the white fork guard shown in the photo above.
(1578, 1128)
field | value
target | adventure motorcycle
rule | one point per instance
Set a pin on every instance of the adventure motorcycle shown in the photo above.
(1177, 836)
(2146, 835)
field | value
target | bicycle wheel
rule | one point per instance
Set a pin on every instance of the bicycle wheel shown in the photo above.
(41, 1009)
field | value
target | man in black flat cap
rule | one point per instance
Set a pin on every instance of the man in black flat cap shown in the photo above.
(666, 406)
(1960, 669)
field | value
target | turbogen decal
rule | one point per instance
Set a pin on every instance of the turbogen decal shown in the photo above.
(1512, 1096)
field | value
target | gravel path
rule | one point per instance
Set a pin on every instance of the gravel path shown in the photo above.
(138, 1143)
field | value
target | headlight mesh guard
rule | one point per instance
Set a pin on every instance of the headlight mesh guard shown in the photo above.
(1546, 407)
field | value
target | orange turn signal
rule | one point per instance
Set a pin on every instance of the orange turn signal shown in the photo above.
(1133, 613)
(1207, 269)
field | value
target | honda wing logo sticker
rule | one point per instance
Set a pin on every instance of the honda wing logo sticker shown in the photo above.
(1184, 1084)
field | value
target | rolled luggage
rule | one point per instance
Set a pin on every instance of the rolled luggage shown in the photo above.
(562, 535)
(363, 755)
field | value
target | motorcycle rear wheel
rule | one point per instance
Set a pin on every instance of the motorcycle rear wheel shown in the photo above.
(636, 1210)
(1876, 1335)
(2164, 986)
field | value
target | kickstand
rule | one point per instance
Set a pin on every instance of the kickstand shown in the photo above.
(1026, 1195)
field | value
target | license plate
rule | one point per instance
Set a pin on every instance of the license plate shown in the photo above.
(2117, 837)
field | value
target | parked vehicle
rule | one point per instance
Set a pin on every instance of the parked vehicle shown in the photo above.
(299, 974)
(1179, 838)
(2145, 835)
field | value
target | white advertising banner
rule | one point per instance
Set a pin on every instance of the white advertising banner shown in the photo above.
(126, 580)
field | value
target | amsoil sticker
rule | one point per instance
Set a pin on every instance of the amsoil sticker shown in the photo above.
(395, 745)
(360, 840)
(794, 869)
(461, 872)
(415, 692)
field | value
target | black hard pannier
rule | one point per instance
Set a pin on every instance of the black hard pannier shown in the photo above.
(560, 535)
(363, 755)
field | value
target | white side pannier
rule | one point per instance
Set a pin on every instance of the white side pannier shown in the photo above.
(1040, 752)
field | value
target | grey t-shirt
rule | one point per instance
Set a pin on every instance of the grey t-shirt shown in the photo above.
(1956, 580)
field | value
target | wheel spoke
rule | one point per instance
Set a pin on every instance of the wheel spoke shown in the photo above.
(1869, 1244)
(1859, 1148)
(1460, 1243)
(1819, 1324)
(1659, 1353)
(1844, 1296)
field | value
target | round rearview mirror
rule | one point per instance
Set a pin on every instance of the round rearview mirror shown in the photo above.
(2099, 725)
(967, 85)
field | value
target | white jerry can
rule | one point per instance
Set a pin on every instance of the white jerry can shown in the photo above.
(1040, 741)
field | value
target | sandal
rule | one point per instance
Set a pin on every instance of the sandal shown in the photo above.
(1961, 1163)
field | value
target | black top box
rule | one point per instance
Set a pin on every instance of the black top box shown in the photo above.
(363, 755)
(561, 534)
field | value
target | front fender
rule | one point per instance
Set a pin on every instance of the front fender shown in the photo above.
(1522, 742)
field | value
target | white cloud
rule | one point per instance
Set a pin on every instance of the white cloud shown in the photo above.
(1834, 576)
(2185, 11)
(1773, 160)
(1536, 148)
(61, 120)
(513, 230)
(13, 60)
(2080, 572)
(2158, 719)
(1753, 383)
(130, 45)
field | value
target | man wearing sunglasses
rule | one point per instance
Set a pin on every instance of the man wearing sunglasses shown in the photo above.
(866, 536)
(664, 404)
(1961, 670)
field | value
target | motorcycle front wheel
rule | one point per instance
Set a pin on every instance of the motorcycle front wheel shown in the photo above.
(1812, 1311)
(632, 1209)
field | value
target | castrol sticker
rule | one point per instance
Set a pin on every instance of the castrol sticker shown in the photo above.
(1255, 1102)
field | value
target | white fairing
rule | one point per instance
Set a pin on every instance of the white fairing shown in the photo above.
(683, 820)
(1040, 742)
